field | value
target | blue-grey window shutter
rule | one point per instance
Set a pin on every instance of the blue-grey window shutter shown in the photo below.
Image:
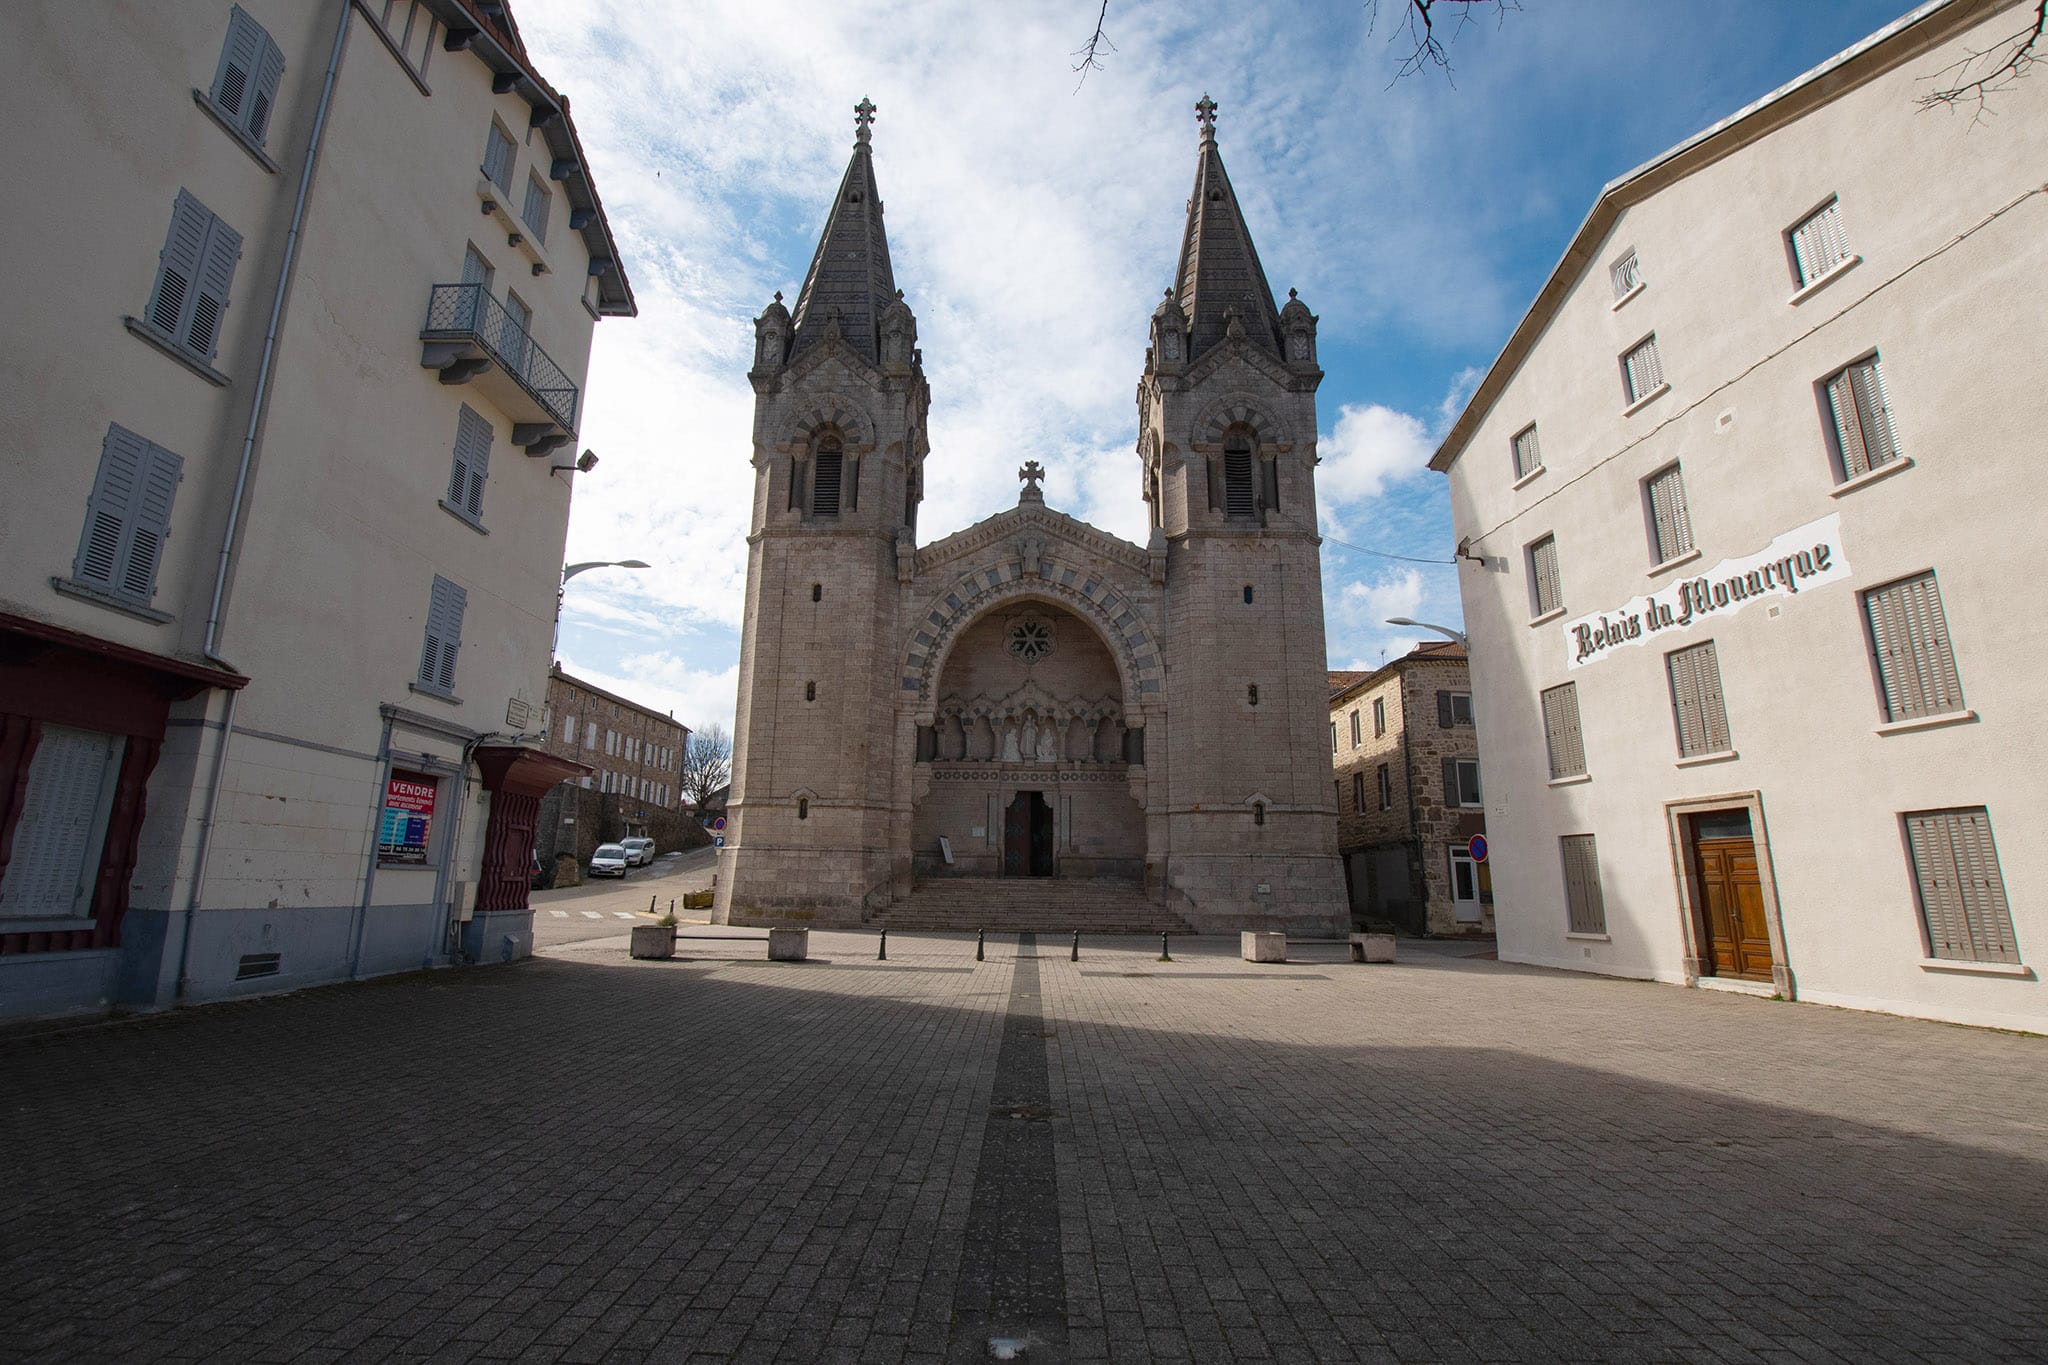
(238, 58)
(128, 517)
(269, 71)
(210, 302)
(444, 635)
(535, 212)
(498, 153)
(472, 462)
(178, 265)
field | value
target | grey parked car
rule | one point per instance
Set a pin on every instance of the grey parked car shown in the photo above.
(639, 851)
(610, 860)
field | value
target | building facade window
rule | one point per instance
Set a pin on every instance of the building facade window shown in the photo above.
(1240, 502)
(1527, 455)
(193, 273)
(499, 151)
(411, 30)
(1546, 590)
(1819, 243)
(445, 607)
(1586, 912)
(1642, 370)
(1379, 716)
(828, 470)
(569, 731)
(1916, 664)
(1561, 731)
(1626, 274)
(1333, 739)
(1696, 703)
(472, 466)
(127, 518)
(1357, 737)
(1358, 792)
(1670, 522)
(1453, 710)
(1861, 419)
(1962, 895)
(1386, 787)
(245, 83)
(1461, 782)
(535, 212)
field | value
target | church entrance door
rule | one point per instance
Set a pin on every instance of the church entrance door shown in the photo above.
(1027, 836)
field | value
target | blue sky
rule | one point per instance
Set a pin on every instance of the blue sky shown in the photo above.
(1033, 225)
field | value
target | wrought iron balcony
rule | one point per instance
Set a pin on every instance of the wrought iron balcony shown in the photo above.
(471, 336)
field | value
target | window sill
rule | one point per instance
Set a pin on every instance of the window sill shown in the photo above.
(1903, 727)
(1590, 938)
(1527, 478)
(448, 697)
(49, 924)
(1895, 465)
(497, 203)
(127, 606)
(1570, 780)
(137, 327)
(233, 129)
(1652, 396)
(1701, 760)
(465, 518)
(1668, 565)
(1547, 617)
(1952, 964)
(1638, 287)
(1835, 272)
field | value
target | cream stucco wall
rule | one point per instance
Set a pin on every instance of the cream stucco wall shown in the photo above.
(1949, 218)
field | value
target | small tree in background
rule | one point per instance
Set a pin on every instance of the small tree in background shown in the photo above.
(707, 765)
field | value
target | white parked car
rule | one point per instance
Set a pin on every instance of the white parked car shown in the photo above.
(610, 860)
(639, 851)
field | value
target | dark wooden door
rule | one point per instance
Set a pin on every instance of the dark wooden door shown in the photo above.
(1738, 937)
(1027, 836)
(1041, 836)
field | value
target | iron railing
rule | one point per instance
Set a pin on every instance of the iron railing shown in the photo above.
(467, 312)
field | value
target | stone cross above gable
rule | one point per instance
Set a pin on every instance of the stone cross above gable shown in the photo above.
(1205, 114)
(1031, 473)
(863, 115)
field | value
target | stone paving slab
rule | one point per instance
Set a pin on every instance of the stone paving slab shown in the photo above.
(589, 1158)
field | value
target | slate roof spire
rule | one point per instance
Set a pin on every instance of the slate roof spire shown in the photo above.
(1220, 277)
(850, 281)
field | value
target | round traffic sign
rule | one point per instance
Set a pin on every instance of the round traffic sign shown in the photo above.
(718, 824)
(1477, 848)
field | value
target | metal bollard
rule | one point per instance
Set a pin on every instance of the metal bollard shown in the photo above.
(651, 903)
(1164, 955)
(883, 955)
(1076, 956)
(671, 905)
(979, 946)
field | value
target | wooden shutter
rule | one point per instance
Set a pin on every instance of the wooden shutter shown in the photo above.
(444, 635)
(1848, 430)
(1644, 369)
(1872, 416)
(238, 59)
(1561, 731)
(1962, 896)
(1916, 663)
(1527, 456)
(535, 213)
(1443, 710)
(210, 298)
(475, 269)
(178, 265)
(1685, 701)
(128, 516)
(269, 71)
(1668, 515)
(1586, 910)
(150, 524)
(1450, 777)
(1358, 792)
(498, 153)
(472, 462)
(1819, 244)
(57, 836)
(1543, 567)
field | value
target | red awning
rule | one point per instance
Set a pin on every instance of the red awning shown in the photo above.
(520, 771)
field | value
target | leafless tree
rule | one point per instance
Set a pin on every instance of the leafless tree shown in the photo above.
(707, 764)
(1419, 22)
(1971, 82)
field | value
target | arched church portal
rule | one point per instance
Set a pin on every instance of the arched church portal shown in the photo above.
(1029, 754)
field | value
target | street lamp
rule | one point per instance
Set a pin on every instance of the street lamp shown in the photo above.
(1456, 637)
(569, 571)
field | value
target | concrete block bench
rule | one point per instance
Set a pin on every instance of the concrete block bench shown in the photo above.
(1372, 947)
(784, 945)
(1263, 945)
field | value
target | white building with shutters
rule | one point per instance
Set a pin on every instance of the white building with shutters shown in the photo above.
(1743, 518)
(290, 396)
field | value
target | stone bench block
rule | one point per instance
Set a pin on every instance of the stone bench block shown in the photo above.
(1262, 945)
(788, 945)
(1372, 947)
(654, 941)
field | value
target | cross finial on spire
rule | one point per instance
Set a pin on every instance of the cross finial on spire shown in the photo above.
(1031, 473)
(863, 115)
(1205, 114)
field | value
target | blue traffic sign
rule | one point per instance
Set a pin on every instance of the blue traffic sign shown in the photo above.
(1477, 848)
(718, 841)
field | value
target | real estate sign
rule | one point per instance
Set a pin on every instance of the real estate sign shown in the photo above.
(408, 816)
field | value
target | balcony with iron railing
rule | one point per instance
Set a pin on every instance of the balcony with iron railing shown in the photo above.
(471, 337)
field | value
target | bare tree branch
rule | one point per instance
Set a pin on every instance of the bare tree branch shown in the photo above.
(1418, 22)
(2014, 57)
(1096, 42)
(707, 764)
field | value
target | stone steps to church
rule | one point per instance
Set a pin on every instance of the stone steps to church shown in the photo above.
(1034, 904)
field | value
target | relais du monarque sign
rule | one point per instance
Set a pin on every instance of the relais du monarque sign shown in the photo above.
(1804, 557)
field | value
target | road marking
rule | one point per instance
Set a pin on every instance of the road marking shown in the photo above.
(592, 914)
(623, 914)
(559, 914)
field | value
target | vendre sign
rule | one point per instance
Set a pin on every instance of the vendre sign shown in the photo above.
(1804, 557)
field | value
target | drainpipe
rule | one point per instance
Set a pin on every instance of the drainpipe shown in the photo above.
(227, 543)
(362, 916)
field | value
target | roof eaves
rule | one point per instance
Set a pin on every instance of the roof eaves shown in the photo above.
(591, 687)
(1635, 186)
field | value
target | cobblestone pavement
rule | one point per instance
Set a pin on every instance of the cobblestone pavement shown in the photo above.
(585, 1158)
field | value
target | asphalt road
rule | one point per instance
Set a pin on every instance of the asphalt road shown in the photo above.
(610, 907)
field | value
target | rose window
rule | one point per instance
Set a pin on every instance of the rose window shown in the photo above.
(1031, 640)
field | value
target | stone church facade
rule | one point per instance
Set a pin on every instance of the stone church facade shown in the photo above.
(1033, 697)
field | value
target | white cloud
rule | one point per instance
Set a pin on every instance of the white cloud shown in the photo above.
(1369, 448)
(696, 696)
(1400, 595)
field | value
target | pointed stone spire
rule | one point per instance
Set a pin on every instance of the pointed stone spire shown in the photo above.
(850, 281)
(1220, 281)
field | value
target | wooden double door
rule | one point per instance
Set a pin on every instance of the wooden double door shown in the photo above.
(1735, 931)
(1028, 836)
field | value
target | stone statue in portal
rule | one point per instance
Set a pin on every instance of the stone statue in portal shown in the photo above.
(1048, 750)
(1010, 754)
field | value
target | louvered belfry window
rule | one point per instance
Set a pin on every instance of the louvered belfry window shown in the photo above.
(444, 636)
(245, 83)
(193, 273)
(1670, 523)
(1819, 244)
(828, 470)
(1962, 896)
(1547, 591)
(128, 517)
(1239, 501)
(1916, 665)
(1642, 370)
(1561, 731)
(472, 464)
(1586, 911)
(1862, 419)
(1696, 702)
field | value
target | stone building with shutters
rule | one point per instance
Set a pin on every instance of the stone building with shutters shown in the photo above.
(1743, 529)
(292, 460)
(1031, 722)
(1405, 759)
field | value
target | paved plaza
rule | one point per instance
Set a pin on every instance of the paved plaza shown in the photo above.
(586, 1158)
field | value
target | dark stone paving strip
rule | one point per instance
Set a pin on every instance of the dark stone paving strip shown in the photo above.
(1011, 1294)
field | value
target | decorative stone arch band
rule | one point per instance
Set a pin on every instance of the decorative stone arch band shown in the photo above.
(827, 412)
(1239, 410)
(1086, 594)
